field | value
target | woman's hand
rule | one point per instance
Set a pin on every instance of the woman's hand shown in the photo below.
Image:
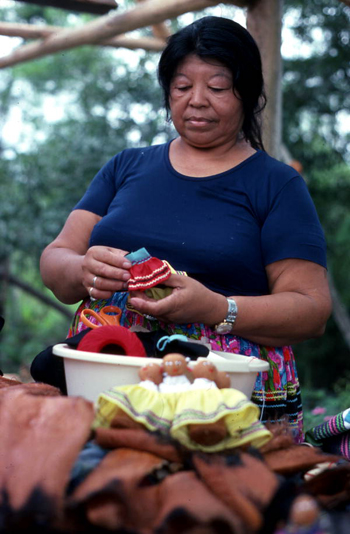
(70, 268)
(105, 271)
(296, 309)
(189, 302)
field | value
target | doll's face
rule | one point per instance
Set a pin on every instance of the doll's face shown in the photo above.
(152, 372)
(205, 369)
(174, 364)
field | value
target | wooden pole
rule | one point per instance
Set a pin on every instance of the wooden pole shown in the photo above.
(144, 14)
(160, 30)
(264, 22)
(31, 31)
(97, 7)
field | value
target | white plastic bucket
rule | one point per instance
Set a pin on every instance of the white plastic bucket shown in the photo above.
(90, 373)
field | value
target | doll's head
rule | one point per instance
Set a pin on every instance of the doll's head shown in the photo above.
(223, 380)
(151, 371)
(205, 369)
(174, 364)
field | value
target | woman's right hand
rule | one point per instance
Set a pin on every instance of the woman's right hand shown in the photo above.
(70, 268)
(105, 271)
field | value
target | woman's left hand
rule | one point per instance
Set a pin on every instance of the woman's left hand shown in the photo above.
(189, 302)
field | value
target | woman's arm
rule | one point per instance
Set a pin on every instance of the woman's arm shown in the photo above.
(68, 266)
(296, 309)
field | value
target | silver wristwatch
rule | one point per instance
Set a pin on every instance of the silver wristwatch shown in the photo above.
(225, 327)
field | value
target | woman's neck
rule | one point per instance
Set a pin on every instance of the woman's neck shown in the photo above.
(201, 162)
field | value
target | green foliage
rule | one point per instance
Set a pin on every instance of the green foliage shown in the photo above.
(109, 100)
(319, 360)
(316, 87)
(321, 403)
(316, 94)
(30, 326)
(103, 104)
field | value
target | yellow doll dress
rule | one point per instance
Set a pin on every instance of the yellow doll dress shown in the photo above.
(146, 406)
(209, 405)
(171, 412)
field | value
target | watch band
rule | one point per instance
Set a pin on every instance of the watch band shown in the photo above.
(232, 311)
(226, 325)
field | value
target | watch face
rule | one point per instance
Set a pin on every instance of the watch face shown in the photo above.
(223, 328)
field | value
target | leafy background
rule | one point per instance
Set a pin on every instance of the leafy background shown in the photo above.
(65, 115)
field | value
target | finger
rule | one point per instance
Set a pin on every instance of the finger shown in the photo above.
(106, 272)
(118, 256)
(153, 307)
(176, 280)
(100, 283)
(114, 257)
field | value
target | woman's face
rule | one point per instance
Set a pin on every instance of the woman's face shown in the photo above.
(204, 108)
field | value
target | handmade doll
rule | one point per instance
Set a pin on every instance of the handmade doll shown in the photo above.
(134, 405)
(211, 419)
(151, 376)
(148, 274)
(205, 375)
(146, 271)
(187, 406)
(176, 373)
(223, 380)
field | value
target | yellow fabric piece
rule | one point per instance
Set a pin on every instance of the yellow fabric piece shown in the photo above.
(161, 291)
(171, 413)
(205, 406)
(158, 292)
(144, 406)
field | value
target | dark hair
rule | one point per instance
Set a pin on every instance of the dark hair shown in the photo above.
(232, 45)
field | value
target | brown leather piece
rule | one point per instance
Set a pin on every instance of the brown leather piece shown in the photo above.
(33, 388)
(146, 483)
(8, 382)
(186, 500)
(331, 486)
(296, 458)
(244, 483)
(40, 438)
(113, 495)
(141, 440)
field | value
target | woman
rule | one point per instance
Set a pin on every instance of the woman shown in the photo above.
(213, 204)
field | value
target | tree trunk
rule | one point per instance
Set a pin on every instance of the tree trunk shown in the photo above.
(4, 282)
(340, 314)
(264, 22)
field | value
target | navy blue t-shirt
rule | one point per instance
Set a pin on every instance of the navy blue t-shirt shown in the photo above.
(222, 230)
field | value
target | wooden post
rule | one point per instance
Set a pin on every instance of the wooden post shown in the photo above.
(264, 22)
(144, 14)
(98, 7)
(160, 30)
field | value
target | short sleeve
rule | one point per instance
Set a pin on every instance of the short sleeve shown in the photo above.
(292, 228)
(101, 190)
